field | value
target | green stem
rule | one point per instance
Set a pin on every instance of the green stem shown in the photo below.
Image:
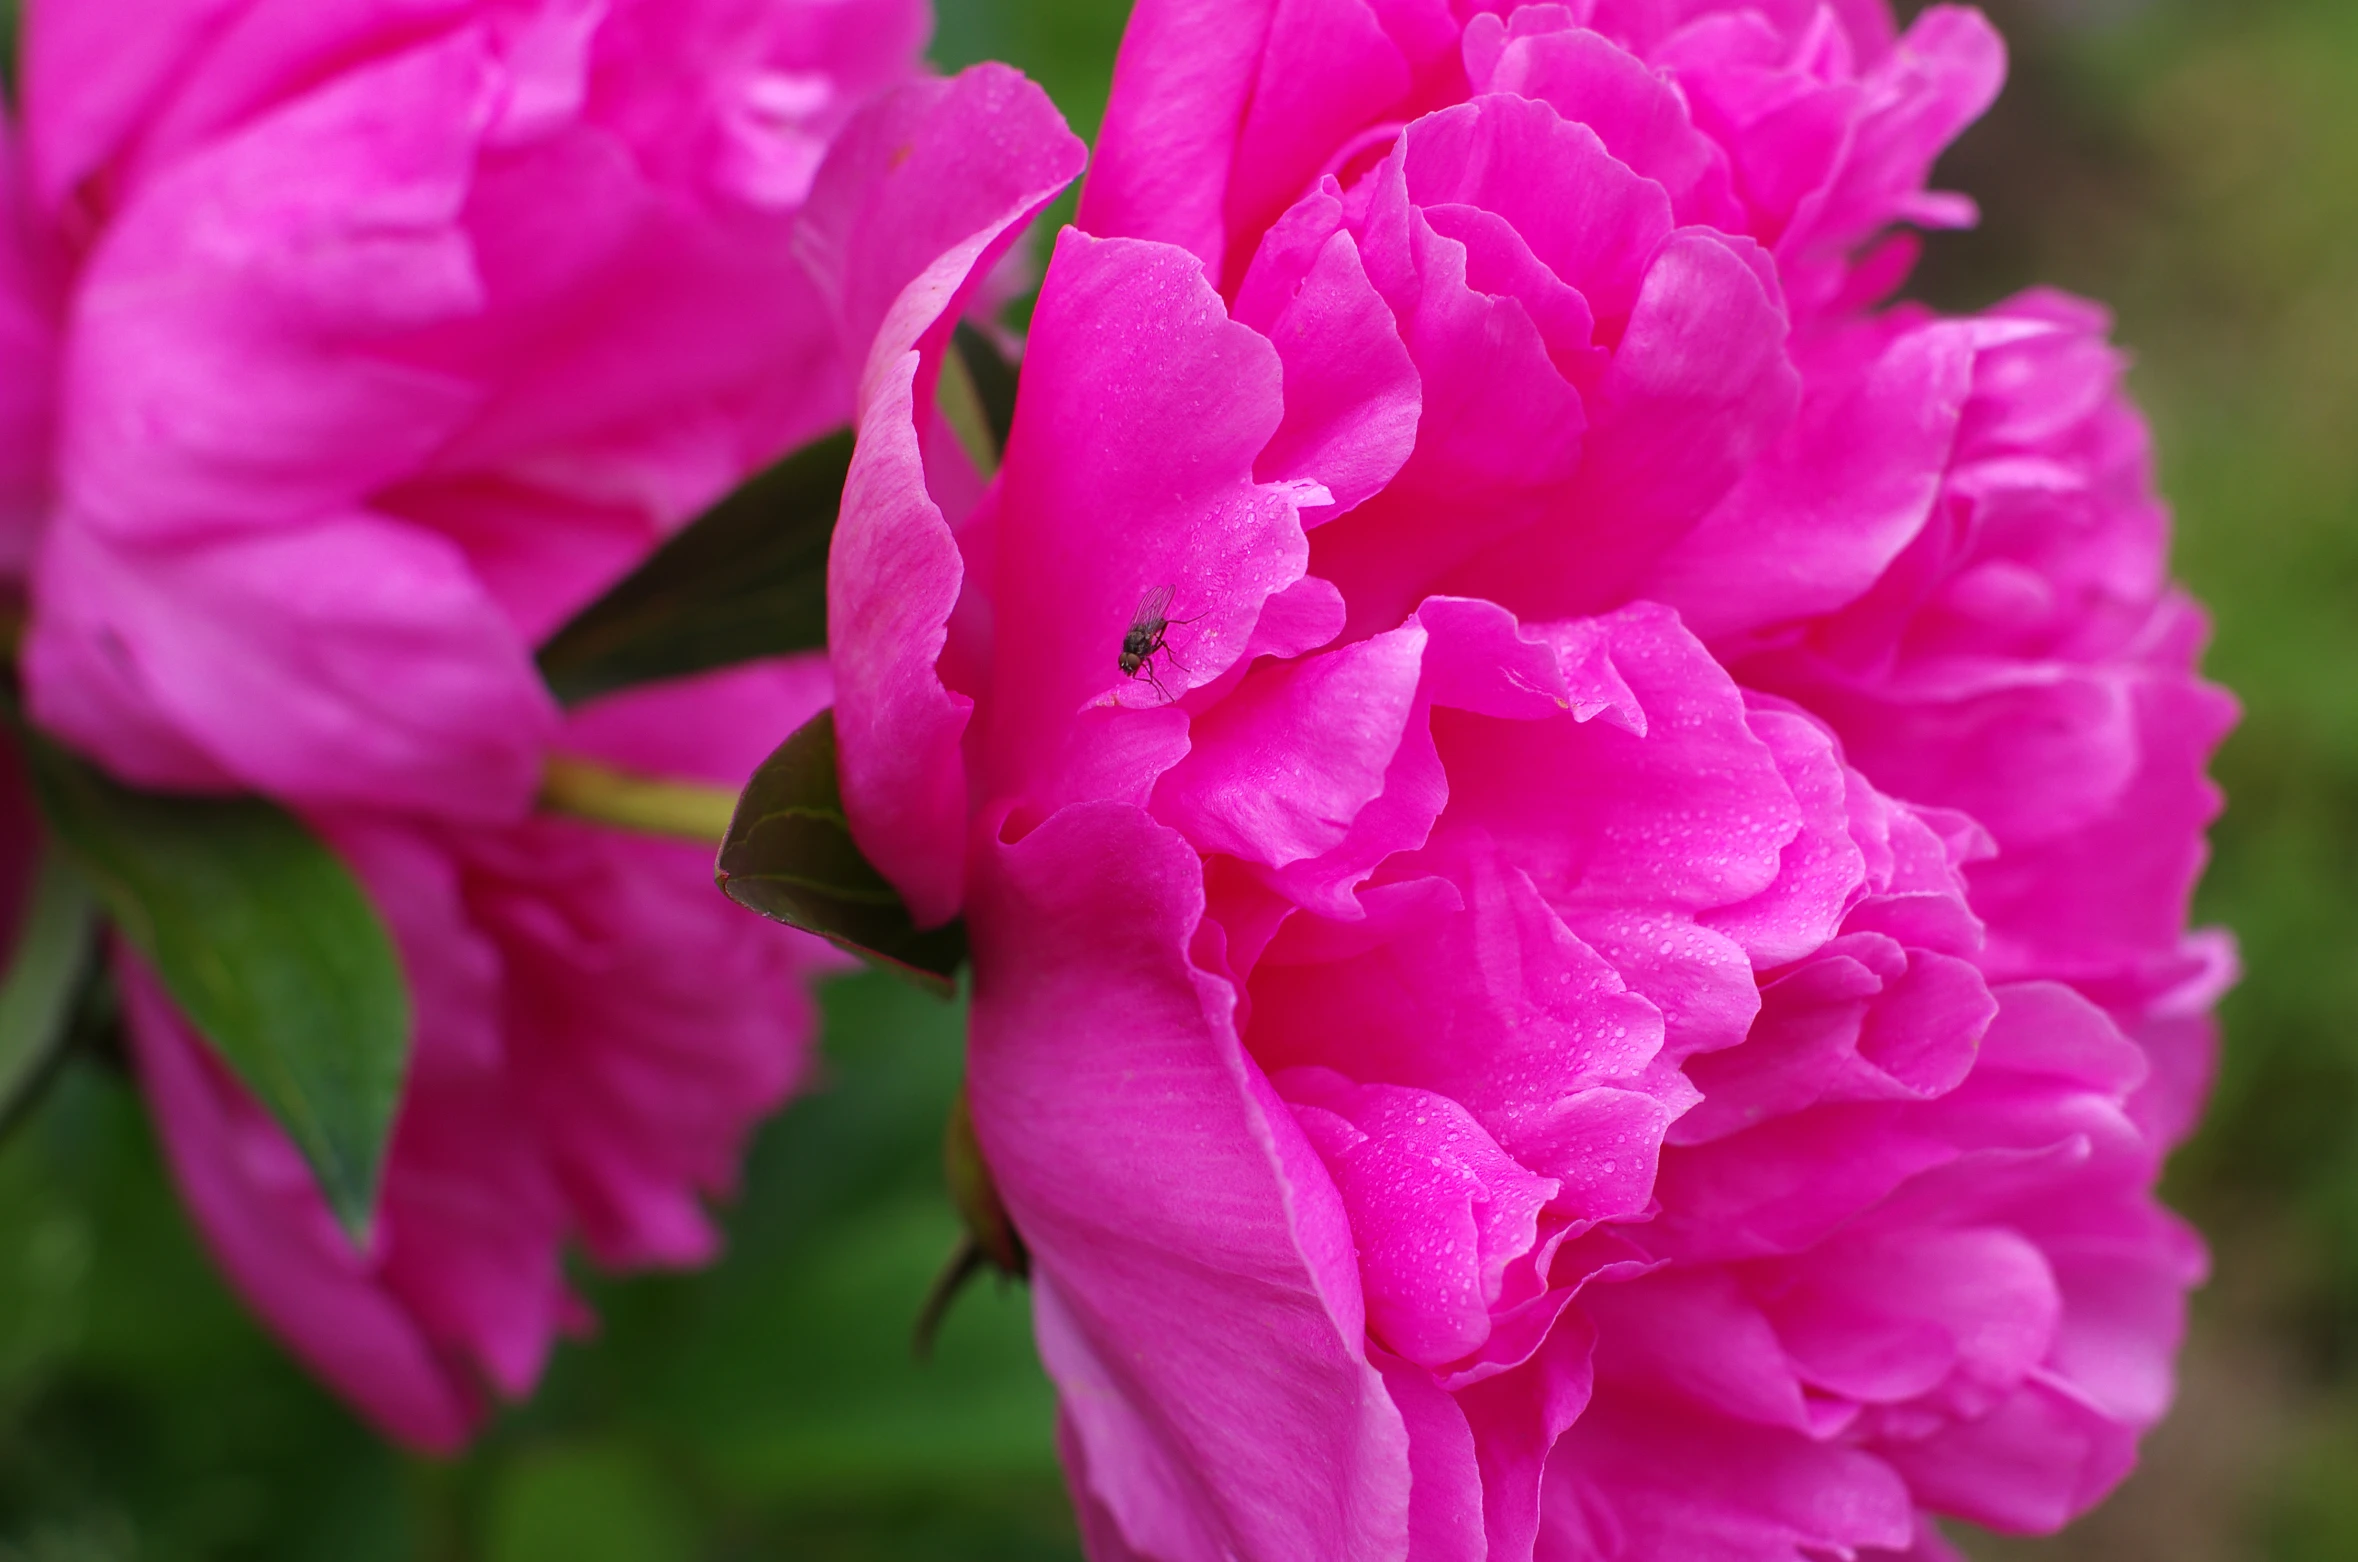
(650, 805)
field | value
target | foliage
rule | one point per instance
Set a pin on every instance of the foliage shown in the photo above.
(56, 948)
(266, 942)
(768, 1407)
(790, 855)
(744, 580)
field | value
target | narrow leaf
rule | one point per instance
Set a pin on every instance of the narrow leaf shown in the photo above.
(960, 405)
(746, 579)
(993, 378)
(270, 947)
(790, 855)
(54, 953)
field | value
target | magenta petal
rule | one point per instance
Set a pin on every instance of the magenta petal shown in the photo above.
(1517, 1417)
(1863, 1020)
(895, 573)
(1445, 1488)
(1499, 1007)
(1592, 221)
(1636, 1478)
(1888, 1320)
(1943, 75)
(345, 209)
(2123, 1275)
(89, 72)
(1499, 428)
(652, 1025)
(1699, 387)
(1186, 1230)
(1811, 527)
(893, 576)
(1243, 788)
(1438, 1211)
(1697, 743)
(2121, 885)
(1328, 68)
(1639, 116)
(2025, 1468)
(1352, 396)
(1182, 82)
(931, 174)
(1696, 1334)
(353, 662)
(1130, 473)
(1821, 870)
(1378, 784)
(1791, 1181)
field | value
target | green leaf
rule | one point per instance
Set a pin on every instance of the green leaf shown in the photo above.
(746, 579)
(53, 958)
(976, 396)
(10, 34)
(790, 855)
(992, 377)
(269, 946)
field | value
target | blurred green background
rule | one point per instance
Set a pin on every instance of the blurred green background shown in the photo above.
(2195, 163)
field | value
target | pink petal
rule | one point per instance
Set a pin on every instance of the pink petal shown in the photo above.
(895, 571)
(1189, 1237)
(354, 662)
(1351, 394)
(1150, 407)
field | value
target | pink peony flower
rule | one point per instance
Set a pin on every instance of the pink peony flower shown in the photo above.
(352, 350)
(1577, 855)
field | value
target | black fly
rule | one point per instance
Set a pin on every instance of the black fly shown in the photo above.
(1149, 636)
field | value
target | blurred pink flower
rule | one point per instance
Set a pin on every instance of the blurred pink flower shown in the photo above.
(597, 1034)
(1610, 981)
(501, 289)
(353, 348)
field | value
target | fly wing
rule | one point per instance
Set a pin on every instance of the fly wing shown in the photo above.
(1154, 610)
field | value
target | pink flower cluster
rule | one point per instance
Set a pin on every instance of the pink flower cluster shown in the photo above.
(1611, 978)
(350, 348)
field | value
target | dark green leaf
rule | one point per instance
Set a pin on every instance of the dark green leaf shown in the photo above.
(746, 579)
(790, 855)
(993, 378)
(10, 32)
(269, 946)
(45, 974)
